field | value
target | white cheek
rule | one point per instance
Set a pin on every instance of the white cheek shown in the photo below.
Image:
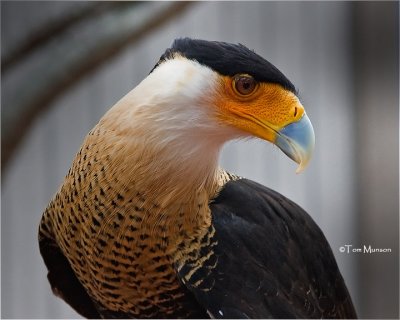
(182, 76)
(178, 89)
(173, 105)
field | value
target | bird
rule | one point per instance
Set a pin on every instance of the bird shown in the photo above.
(146, 224)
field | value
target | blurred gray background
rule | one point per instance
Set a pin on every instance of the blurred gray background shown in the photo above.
(65, 63)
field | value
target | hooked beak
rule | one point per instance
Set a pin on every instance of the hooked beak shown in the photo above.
(297, 141)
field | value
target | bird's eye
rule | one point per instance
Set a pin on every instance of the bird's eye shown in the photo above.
(244, 84)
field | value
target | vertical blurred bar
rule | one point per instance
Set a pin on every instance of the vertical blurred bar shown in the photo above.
(376, 63)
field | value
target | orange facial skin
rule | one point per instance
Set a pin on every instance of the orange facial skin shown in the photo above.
(263, 112)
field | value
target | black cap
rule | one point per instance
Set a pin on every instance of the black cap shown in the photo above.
(227, 59)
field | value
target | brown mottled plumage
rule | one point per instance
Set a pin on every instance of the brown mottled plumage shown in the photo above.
(147, 225)
(121, 243)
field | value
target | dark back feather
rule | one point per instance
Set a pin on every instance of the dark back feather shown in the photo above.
(272, 260)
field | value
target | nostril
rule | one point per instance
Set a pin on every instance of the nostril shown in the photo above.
(295, 111)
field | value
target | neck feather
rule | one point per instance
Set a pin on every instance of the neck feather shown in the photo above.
(165, 138)
(167, 133)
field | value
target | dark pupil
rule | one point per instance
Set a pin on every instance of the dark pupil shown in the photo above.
(245, 85)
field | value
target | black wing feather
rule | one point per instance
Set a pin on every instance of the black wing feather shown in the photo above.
(273, 261)
(63, 281)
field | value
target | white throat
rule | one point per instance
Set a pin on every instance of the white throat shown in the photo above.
(170, 131)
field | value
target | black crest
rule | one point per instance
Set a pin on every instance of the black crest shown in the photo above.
(228, 59)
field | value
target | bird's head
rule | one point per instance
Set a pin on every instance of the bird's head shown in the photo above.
(203, 93)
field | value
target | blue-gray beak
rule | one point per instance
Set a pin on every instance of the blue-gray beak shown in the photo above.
(297, 141)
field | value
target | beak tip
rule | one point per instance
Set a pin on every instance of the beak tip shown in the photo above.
(302, 165)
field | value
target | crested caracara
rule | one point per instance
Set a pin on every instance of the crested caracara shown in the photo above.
(146, 224)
